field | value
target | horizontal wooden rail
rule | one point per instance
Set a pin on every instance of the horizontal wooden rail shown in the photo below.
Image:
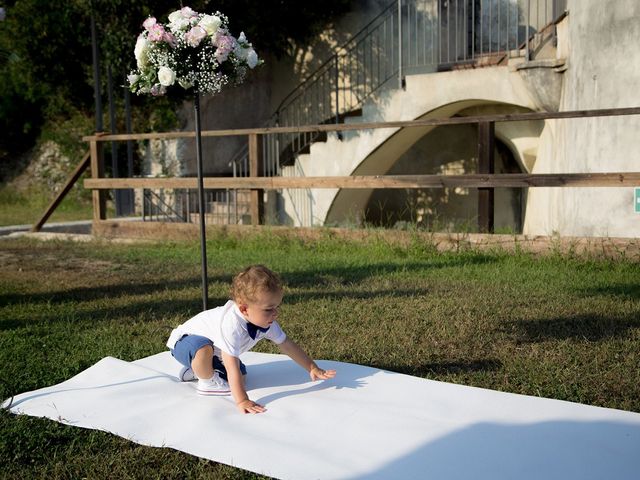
(515, 117)
(511, 180)
(484, 179)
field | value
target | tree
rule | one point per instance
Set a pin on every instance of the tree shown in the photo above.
(45, 50)
(40, 78)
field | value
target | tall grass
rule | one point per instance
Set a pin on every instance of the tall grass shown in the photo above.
(555, 326)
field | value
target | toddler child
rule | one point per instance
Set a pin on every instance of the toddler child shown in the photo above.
(209, 345)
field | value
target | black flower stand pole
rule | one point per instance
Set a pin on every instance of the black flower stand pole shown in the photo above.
(201, 205)
(190, 51)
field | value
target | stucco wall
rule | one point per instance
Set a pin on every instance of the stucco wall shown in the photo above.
(603, 71)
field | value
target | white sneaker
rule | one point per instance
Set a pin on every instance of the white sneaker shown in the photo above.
(214, 386)
(187, 375)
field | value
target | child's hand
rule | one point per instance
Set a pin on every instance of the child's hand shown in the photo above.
(316, 373)
(248, 406)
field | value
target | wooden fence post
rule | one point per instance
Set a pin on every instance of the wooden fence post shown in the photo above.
(257, 195)
(97, 171)
(486, 164)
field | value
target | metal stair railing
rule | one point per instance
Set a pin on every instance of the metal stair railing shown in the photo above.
(222, 206)
(156, 208)
(408, 36)
(329, 94)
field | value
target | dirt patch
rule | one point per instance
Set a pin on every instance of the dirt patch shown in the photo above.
(49, 262)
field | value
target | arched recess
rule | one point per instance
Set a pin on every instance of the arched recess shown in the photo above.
(442, 150)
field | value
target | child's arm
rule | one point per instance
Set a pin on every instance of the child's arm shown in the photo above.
(291, 349)
(236, 383)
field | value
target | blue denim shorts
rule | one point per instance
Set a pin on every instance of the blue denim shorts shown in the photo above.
(186, 348)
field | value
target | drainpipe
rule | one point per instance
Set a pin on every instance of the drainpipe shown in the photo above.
(337, 91)
(400, 83)
(527, 55)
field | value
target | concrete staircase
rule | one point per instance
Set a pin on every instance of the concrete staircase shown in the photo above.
(233, 211)
(372, 152)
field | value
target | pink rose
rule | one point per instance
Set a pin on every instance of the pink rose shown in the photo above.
(157, 33)
(195, 35)
(170, 39)
(149, 22)
(188, 12)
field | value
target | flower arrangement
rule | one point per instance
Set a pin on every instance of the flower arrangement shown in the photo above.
(193, 50)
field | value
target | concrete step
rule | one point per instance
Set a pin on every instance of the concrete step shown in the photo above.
(221, 219)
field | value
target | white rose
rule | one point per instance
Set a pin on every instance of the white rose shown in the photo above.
(178, 22)
(210, 23)
(179, 25)
(133, 79)
(175, 16)
(252, 58)
(141, 52)
(166, 76)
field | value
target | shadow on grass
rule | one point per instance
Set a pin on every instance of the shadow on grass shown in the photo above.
(631, 291)
(99, 292)
(140, 310)
(353, 274)
(445, 367)
(151, 309)
(319, 278)
(352, 294)
(579, 327)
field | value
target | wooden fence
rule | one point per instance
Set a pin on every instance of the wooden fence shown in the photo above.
(485, 180)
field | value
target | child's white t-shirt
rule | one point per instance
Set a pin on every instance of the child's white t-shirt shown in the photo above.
(227, 329)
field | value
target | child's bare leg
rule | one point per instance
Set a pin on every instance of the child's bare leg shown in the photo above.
(202, 363)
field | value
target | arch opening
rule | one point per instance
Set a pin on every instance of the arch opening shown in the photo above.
(450, 150)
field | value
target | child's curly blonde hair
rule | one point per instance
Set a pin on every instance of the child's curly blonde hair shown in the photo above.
(253, 280)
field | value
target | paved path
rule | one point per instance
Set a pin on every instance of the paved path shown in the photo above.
(79, 226)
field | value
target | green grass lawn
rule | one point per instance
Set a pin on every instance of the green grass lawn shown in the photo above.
(24, 208)
(554, 326)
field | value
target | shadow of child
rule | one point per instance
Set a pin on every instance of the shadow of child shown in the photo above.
(289, 379)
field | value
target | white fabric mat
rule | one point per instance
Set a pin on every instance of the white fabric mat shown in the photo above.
(365, 423)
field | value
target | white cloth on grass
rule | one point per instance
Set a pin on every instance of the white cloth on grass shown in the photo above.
(365, 423)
